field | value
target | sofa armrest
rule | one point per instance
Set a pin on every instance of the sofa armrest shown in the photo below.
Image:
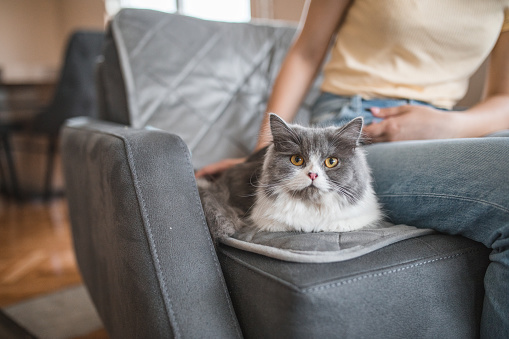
(140, 237)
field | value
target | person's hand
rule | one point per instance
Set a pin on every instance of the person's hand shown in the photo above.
(219, 167)
(410, 122)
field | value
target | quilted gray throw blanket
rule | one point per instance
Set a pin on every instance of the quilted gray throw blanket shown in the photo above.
(227, 223)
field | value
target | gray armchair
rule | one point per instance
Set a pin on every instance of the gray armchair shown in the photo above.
(175, 94)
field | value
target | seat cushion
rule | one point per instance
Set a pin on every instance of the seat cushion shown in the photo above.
(426, 287)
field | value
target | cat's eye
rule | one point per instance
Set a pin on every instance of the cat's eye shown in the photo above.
(331, 162)
(296, 160)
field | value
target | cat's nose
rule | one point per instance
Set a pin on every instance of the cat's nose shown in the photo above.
(312, 175)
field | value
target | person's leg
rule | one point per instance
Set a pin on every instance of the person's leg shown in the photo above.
(458, 186)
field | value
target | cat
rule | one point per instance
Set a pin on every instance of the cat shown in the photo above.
(310, 179)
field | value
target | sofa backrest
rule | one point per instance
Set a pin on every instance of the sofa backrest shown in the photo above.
(207, 82)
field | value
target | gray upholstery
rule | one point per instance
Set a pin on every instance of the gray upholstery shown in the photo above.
(427, 287)
(141, 243)
(233, 64)
(139, 232)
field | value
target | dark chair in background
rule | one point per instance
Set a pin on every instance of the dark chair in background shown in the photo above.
(75, 94)
(11, 119)
(9, 173)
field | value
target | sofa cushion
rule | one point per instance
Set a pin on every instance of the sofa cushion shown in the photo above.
(425, 287)
(195, 78)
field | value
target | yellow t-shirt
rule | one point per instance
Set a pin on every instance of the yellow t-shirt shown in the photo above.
(415, 49)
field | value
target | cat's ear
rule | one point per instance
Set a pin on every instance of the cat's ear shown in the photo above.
(350, 134)
(282, 134)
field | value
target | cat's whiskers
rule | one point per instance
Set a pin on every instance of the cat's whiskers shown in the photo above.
(348, 195)
(345, 191)
(248, 211)
(289, 186)
(283, 185)
(270, 188)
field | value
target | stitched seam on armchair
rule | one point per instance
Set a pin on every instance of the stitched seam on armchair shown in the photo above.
(146, 224)
(130, 84)
(147, 227)
(205, 228)
(306, 290)
(257, 62)
(126, 58)
(262, 273)
(147, 37)
(384, 273)
(172, 88)
(448, 196)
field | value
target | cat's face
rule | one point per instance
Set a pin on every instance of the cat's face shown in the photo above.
(309, 163)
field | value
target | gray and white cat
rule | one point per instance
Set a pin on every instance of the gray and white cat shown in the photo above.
(307, 180)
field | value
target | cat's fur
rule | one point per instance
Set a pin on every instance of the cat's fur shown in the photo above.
(269, 193)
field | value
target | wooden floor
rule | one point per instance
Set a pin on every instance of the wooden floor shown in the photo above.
(36, 255)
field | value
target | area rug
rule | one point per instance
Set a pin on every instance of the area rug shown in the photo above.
(64, 314)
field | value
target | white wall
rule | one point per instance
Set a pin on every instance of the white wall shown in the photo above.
(33, 34)
(286, 10)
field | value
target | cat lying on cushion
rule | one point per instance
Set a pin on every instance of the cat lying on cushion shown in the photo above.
(307, 180)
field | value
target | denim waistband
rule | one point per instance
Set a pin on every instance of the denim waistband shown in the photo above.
(332, 109)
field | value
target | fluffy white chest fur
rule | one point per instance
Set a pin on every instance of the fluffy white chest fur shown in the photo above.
(332, 214)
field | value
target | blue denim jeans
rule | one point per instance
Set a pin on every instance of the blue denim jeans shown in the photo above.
(456, 186)
(330, 109)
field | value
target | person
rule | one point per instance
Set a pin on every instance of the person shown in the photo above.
(403, 65)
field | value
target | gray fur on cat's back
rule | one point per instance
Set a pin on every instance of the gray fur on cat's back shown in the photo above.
(227, 201)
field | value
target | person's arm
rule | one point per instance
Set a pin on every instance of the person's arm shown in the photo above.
(419, 122)
(492, 114)
(319, 23)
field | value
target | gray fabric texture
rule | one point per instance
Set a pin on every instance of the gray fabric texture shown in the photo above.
(141, 240)
(323, 247)
(425, 287)
(165, 58)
